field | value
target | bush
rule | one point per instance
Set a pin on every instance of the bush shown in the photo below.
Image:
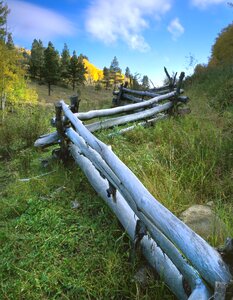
(216, 82)
(19, 129)
(98, 87)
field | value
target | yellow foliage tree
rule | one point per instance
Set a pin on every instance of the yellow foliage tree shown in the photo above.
(222, 50)
(93, 73)
(13, 87)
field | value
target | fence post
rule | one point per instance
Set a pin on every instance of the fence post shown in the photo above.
(74, 103)
(63, 151)
(174, 110)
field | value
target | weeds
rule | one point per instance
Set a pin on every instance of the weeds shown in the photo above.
(50, 250)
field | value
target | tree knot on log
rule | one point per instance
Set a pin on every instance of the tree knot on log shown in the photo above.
(111, 191)
(140, 232)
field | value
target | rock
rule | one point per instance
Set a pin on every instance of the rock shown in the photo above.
(144, 276)
(203, 220)
(75, 204)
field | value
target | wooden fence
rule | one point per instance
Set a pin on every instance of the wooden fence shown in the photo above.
(190, 267)
(125, 95)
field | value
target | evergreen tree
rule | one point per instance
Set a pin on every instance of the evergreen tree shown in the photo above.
(9, 42)
(36, 62)
(4, 11)
(115, 72)
(51, 66)
(65, 61)
(77, 70)
(114, 67)
(127, 72)
(135, 79)
(83, 56)
(106, 78)
(145, 82)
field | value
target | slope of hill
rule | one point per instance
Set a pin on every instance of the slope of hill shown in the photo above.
(50, 250)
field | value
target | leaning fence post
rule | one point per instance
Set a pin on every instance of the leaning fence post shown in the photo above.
(174, 110)
(74, 103)
(63, 151)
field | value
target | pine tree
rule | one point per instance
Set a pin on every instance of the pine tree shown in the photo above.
(127, 72)
(10, 42)
(65, 61)
(106, 79)
(135, 81)
(114, 67)
(36, 63)
(4, 11)
(145, 82)
(51, 66)
(77, 70)
(115, 71)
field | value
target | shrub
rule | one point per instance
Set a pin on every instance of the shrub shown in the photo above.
(21, 128)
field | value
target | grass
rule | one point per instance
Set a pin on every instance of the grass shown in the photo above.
(90, 97)
(50, 250)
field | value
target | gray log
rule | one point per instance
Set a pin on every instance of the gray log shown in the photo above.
(143, 124)
(203, 257)
(191, 276)
(129, 118)
(53, 138)
(141, 93)
(121, 109)
(47, 140)
(126, 108)
(157, 258)
(132, 98)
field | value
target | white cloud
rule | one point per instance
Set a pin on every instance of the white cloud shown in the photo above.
(175, 28)
(125, 20)
(204, 3)
(28, 21)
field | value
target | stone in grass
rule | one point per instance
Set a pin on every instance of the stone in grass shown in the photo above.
(204, 221)
(144, 276)
(75, 204)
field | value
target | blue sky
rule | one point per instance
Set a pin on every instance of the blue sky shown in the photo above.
(144, 35)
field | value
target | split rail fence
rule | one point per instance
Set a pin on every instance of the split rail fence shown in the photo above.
(189, 266)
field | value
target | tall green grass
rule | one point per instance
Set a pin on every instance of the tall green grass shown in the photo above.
(51, 251)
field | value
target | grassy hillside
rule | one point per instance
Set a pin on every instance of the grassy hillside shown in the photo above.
(90, 97)
(50, 250)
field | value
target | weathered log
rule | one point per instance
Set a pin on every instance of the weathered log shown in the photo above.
(118, 110)
(53, 138)
(47, 140)
(191, 276)
(143, 124)
(132, 98)
(129, 118)
(141, 93)
(130, 107)
(202, 256)
(157, 258)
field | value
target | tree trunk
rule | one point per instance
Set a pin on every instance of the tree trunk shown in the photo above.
(49, 88)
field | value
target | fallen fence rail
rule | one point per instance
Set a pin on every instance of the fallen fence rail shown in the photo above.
(178, 254)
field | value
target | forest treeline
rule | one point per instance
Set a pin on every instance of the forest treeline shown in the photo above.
(47, 66)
